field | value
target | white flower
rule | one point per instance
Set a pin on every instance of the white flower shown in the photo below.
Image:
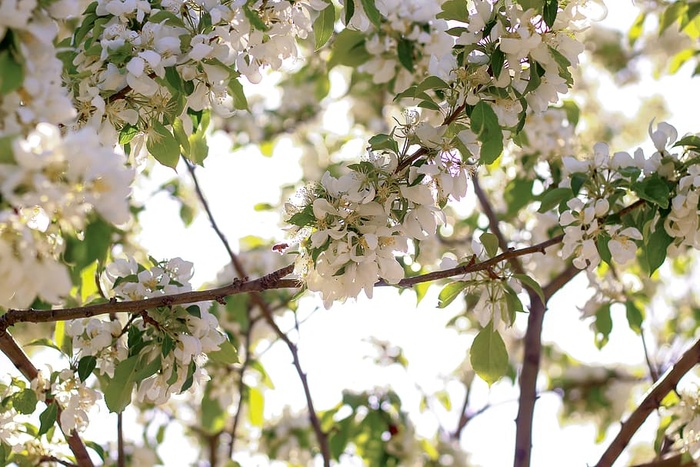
(663, 136)
(621, 246)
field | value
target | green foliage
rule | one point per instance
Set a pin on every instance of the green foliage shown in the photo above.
(162, 145)
(118, 390)
(488, 355)
(323, 25)
(484, 123)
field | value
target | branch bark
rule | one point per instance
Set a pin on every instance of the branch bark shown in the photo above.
(20, 360)
(651, 402)
(532, 343)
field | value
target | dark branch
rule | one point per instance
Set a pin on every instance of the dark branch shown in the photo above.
(651, 402)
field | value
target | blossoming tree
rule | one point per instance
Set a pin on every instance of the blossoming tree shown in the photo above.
(478, 173)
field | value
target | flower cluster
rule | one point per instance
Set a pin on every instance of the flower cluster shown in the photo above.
(686, 424)
(410, 42)
(173, 340)
(529, 52)
(75, 399)
(583, 223)
(132, 66)
(52, 187)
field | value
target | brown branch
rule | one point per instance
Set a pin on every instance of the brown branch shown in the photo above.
(274, 280)
(532, 346)
(651, 402)
(20, 360)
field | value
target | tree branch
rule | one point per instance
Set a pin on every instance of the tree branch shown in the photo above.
(651, 402)
(20, 360)
(260, 302)
(274, 280)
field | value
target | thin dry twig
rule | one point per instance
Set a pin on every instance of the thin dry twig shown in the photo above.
(257, 299)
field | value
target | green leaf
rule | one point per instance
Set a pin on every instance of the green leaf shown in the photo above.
(303, 217)
(635, 316)
(531, 283)
(85, 366)
(513, 305)
(498, 58)
(484, 123)
(255, 19)
(554, 197)
(24, 401)
(656, 246)
(194, 310)
(12, 75)
(577, 181)
(454, 10)
(162, 145)
(488, 355)
(636, 29)
(602, 247)
(431, 82)
(60, 337)
(227, 354)
(119, 389)
(181, 137)
(549, 12)
(323, 25)
(372, 13)
(199, 148)
(47, 418)
(405, 51)
(671, 14)
(349, 10)
(573, 112)
(44, 342)
(603, 325)
(256, 406)
(692, 141)
(518, 194)
(381, 141)
(653, 189)
(148, 370)
(213, 415)
(235, 88)
(490, 242)
(348, 49)
(257, 366)
(449, 293)
(564, 65)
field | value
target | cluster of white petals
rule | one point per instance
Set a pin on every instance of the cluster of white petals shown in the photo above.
(132, 62)
(193, 335)
(75, 399)
(686, 423)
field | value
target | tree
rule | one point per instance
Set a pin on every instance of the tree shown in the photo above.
(468, 161)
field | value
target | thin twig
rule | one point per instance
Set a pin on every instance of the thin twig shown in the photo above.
(207, 209)
(121, 458)
(257, 299)
(651, 402)
(241, 385)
